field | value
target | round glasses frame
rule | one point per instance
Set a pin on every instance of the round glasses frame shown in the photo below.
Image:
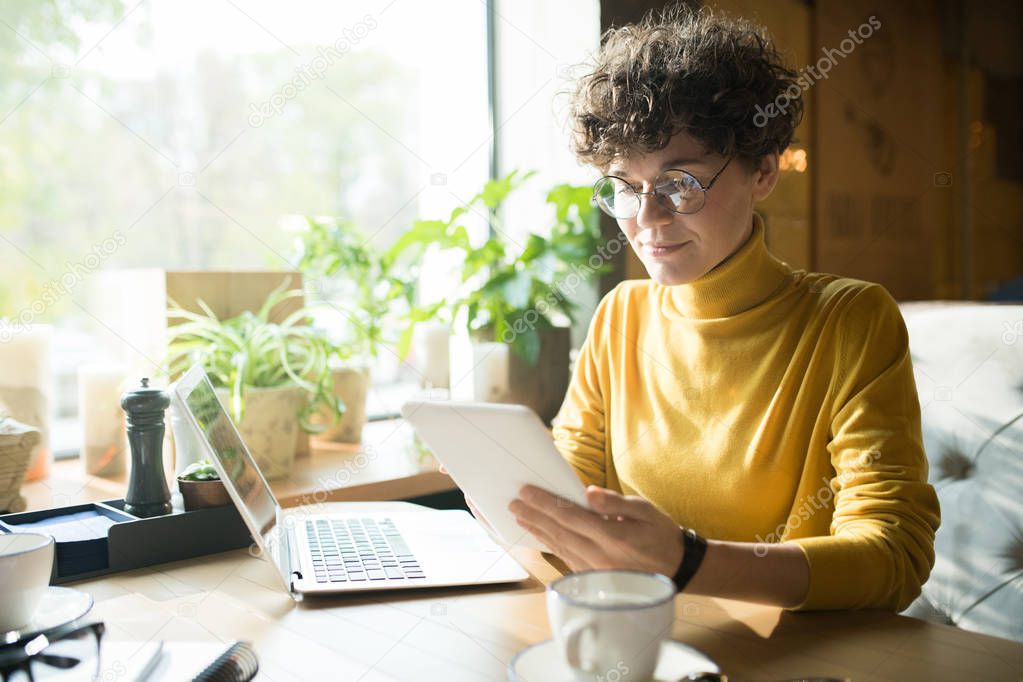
(46, 655)
(692, 183)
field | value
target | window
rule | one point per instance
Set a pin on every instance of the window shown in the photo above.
(540, 50)
(182, 134)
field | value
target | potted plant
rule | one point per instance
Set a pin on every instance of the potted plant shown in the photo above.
(271, 376)
(201, 487)
(519, 295)
(373, 291)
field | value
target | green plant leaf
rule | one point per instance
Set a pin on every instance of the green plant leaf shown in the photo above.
(568, 197)
(516, 289)
(248, 351)
(536, 246)
(202, 470)
(405, 342)
(496, 191)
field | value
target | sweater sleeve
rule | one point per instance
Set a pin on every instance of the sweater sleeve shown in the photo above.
(880, 549)
(580, 427)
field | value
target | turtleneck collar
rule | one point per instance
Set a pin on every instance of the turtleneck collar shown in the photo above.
(740, 282)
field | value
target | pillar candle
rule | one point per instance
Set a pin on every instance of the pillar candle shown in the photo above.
(25, 386)
(430, 343)
(460, 366)
(490, 372)
(99, 411)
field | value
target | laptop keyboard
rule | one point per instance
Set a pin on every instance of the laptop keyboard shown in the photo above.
(360, 549)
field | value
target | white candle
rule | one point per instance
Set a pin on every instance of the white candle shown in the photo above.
(430, 344)
(99, 412)
(460, 366)
(490, 372)
(25, 376)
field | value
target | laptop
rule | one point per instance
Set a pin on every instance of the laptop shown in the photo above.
(341, 552)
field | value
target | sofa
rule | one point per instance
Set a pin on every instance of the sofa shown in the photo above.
(968, 362)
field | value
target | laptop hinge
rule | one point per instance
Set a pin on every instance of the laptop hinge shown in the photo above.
(290, 562)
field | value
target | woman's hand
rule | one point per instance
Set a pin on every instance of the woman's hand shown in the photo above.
(620, 532)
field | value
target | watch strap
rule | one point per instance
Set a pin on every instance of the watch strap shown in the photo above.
(694, 548)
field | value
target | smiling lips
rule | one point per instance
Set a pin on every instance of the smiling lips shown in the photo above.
(662, 249)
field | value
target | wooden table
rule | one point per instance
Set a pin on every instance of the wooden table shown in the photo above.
(472, 633)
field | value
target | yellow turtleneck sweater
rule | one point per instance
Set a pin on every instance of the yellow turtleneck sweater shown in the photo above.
(764, 404)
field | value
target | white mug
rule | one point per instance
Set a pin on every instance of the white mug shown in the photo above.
(26, 560)
(609, 625)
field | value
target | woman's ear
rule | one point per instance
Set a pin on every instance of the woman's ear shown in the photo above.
(765, 177)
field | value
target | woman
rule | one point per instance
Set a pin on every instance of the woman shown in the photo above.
(751, 429)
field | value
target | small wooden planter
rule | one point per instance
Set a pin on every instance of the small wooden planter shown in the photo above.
(203, 494)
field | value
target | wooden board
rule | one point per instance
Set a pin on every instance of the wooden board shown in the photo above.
(134, 303)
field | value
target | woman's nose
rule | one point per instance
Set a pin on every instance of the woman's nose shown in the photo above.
(652, 212)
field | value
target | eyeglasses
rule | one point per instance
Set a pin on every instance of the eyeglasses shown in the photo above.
(68, 654)
(676, 189)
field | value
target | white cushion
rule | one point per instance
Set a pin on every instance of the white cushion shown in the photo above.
(968, 362)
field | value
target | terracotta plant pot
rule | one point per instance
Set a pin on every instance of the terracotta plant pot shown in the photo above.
(203, 494)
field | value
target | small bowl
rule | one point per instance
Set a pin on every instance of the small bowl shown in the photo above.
(203, 494)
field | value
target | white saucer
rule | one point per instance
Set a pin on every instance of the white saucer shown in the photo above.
(59, 605)
(543, 663)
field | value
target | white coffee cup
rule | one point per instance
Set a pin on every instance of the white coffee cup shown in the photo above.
(609, 625)
(26, 560)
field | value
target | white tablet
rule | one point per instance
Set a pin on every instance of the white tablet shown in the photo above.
(490, 451)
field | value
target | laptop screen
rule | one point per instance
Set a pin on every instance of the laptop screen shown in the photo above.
(260, 506)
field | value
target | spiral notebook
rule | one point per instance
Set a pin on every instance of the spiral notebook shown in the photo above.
(167, 661)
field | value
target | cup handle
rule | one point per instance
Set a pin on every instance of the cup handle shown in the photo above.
(572, 635)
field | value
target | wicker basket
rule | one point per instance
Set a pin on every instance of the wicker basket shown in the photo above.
(16, 443)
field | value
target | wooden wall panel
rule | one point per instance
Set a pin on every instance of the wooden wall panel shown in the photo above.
(883, 173)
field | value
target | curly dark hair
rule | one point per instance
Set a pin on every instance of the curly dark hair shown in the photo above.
(697, 71)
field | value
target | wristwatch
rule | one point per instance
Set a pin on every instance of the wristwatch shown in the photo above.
(693, 549)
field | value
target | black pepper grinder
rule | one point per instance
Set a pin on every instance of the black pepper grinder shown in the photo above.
(147, 488)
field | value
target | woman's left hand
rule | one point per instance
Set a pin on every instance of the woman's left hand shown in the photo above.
(624, 532)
